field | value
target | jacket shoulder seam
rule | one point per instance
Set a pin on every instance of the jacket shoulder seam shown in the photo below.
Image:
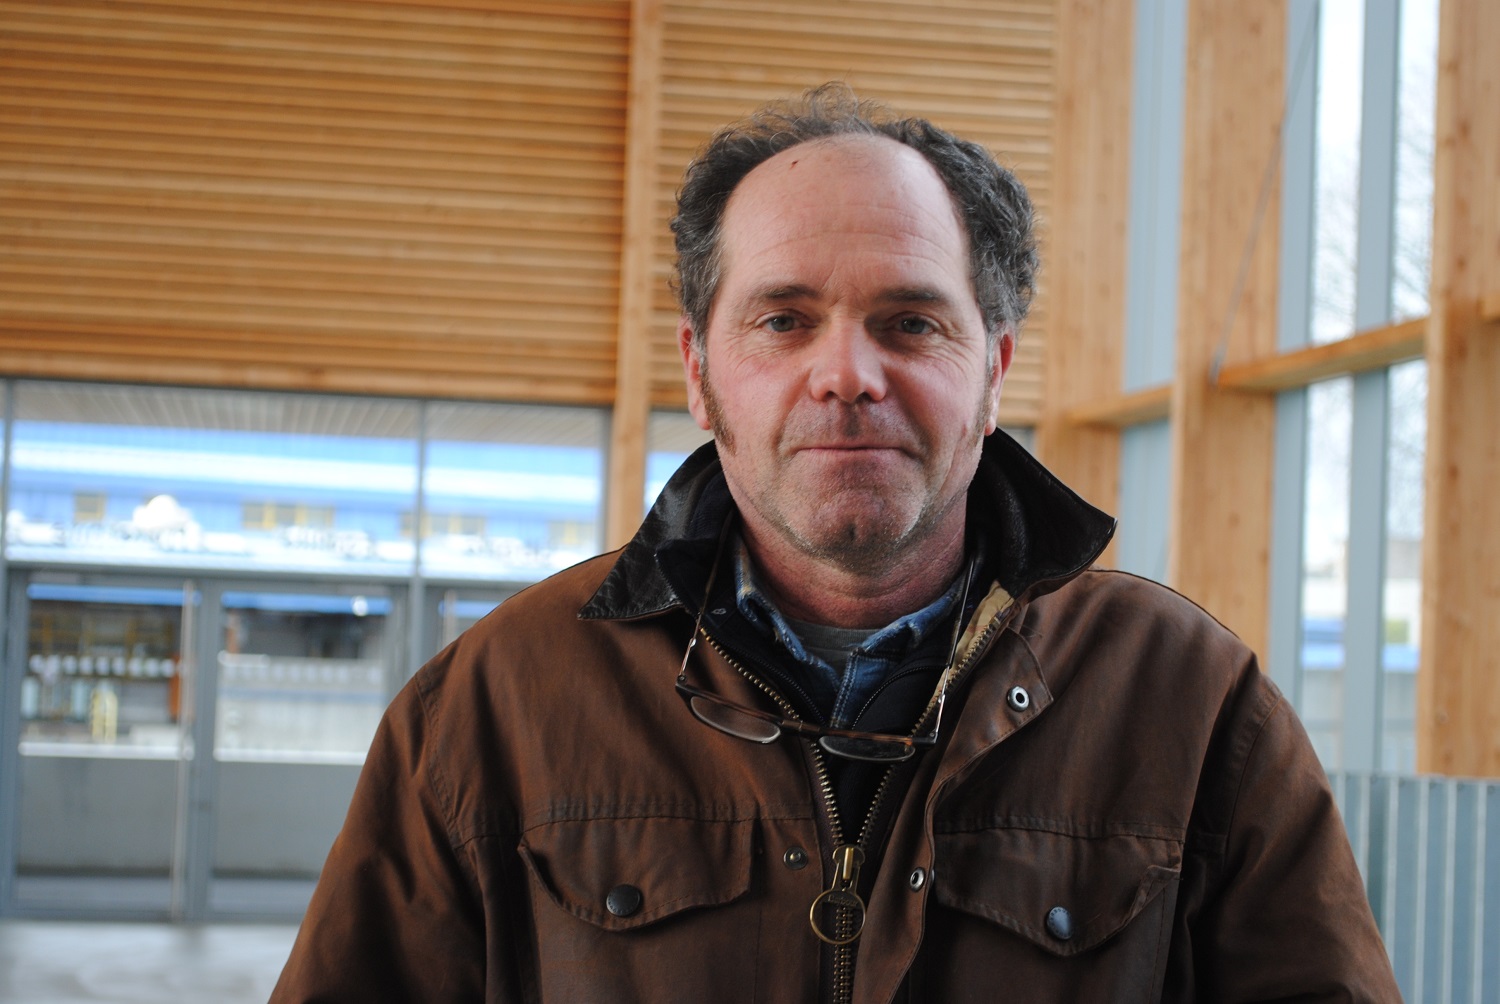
(1277, 700)
(437, 782)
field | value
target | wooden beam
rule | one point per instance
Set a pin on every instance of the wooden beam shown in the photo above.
(1085, 245)
(1374, 349)
(1490, 307)
(1124, 410)
(625, 488)
(1458, 688)
(1222, 442)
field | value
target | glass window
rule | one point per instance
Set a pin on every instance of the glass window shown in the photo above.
(1406, 461)
(1336, 199)
(1416, 99)
(1359, 688)
(1325, 580)
(671, 436)
(511, 492)
(303, 677)
(103, 671)
(1145, 471)
(457, 610)
(88, 507)
(105, 742)
(210, 479)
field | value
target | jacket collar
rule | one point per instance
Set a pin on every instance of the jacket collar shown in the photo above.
(1039, 533)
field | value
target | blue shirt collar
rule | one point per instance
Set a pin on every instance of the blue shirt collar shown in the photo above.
(880, 652)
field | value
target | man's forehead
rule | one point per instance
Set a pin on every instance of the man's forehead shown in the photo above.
(825, 194)
(832, 157)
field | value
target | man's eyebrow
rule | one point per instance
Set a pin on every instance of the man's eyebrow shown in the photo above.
(782, 293)
(913, 294)
(799, 291)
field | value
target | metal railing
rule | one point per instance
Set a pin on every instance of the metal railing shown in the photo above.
(1429, 850)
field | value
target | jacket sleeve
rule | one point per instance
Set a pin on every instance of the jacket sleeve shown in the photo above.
(395, 915)
(1287, 917)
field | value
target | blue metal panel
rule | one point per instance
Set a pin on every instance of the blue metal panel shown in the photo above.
(1436, 915)
(1145, 471)
(307, 603)
(1401, 929)
(1488, 920)
(1432, 866)
(105, 594)
(1153, 229)
(1465, 947)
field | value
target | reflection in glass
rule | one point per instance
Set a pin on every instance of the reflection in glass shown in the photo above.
(1403, 564)
(103, 669)
(105, 694)
(302, 677)
(1336, 197)
(458, 610)
(511, 492)
(1325, 578)
(210, 479)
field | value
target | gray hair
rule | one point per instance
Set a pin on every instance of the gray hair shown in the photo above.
(995, 209)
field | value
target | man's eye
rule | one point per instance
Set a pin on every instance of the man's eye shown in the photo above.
(781, 323)
(914, 325)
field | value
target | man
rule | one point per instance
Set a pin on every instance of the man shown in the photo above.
(850, 718)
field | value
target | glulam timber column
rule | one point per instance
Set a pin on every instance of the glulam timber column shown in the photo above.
(1083, 252)
(625, 488)
(1458, 703)
(1222, 440)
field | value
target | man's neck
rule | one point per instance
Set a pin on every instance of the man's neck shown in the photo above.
(819, 591)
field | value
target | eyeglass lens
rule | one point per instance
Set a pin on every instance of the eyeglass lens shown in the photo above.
(727, 719)
(874, 750)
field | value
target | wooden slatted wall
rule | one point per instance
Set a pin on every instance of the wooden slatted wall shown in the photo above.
(982, 68)
(314, 194)
(418, 198)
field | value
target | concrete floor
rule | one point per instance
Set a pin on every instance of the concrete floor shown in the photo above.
(83, 962)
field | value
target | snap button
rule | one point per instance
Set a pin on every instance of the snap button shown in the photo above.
(917, 879)
(795, 859)
(1018, 699)
(623, 900)
(1060, 923)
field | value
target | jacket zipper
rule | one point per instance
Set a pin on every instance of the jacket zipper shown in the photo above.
(848, 857)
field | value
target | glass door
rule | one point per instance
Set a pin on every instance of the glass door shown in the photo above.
(105, 744)
(452, 610)
(301, 681)
(142, 787)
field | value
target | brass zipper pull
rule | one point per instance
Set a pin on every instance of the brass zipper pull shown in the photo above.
(839, 907)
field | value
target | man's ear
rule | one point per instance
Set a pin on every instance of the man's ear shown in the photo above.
(1005, 350)
(692, 370)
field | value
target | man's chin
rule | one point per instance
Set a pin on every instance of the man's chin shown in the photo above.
(859, 543)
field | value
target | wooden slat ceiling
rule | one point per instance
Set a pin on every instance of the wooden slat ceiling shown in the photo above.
(353, 196)
(978, 67)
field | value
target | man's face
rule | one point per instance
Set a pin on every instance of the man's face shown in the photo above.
(845, 374)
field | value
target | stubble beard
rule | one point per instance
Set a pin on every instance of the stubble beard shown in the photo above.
(866, 546)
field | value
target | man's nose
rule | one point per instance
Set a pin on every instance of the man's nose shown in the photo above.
(847, 363)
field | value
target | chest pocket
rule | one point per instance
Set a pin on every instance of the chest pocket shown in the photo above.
(644, 909)
(1068, 917)
(623, 874)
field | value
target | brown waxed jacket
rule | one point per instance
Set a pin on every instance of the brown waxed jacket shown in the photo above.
(540, 818)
